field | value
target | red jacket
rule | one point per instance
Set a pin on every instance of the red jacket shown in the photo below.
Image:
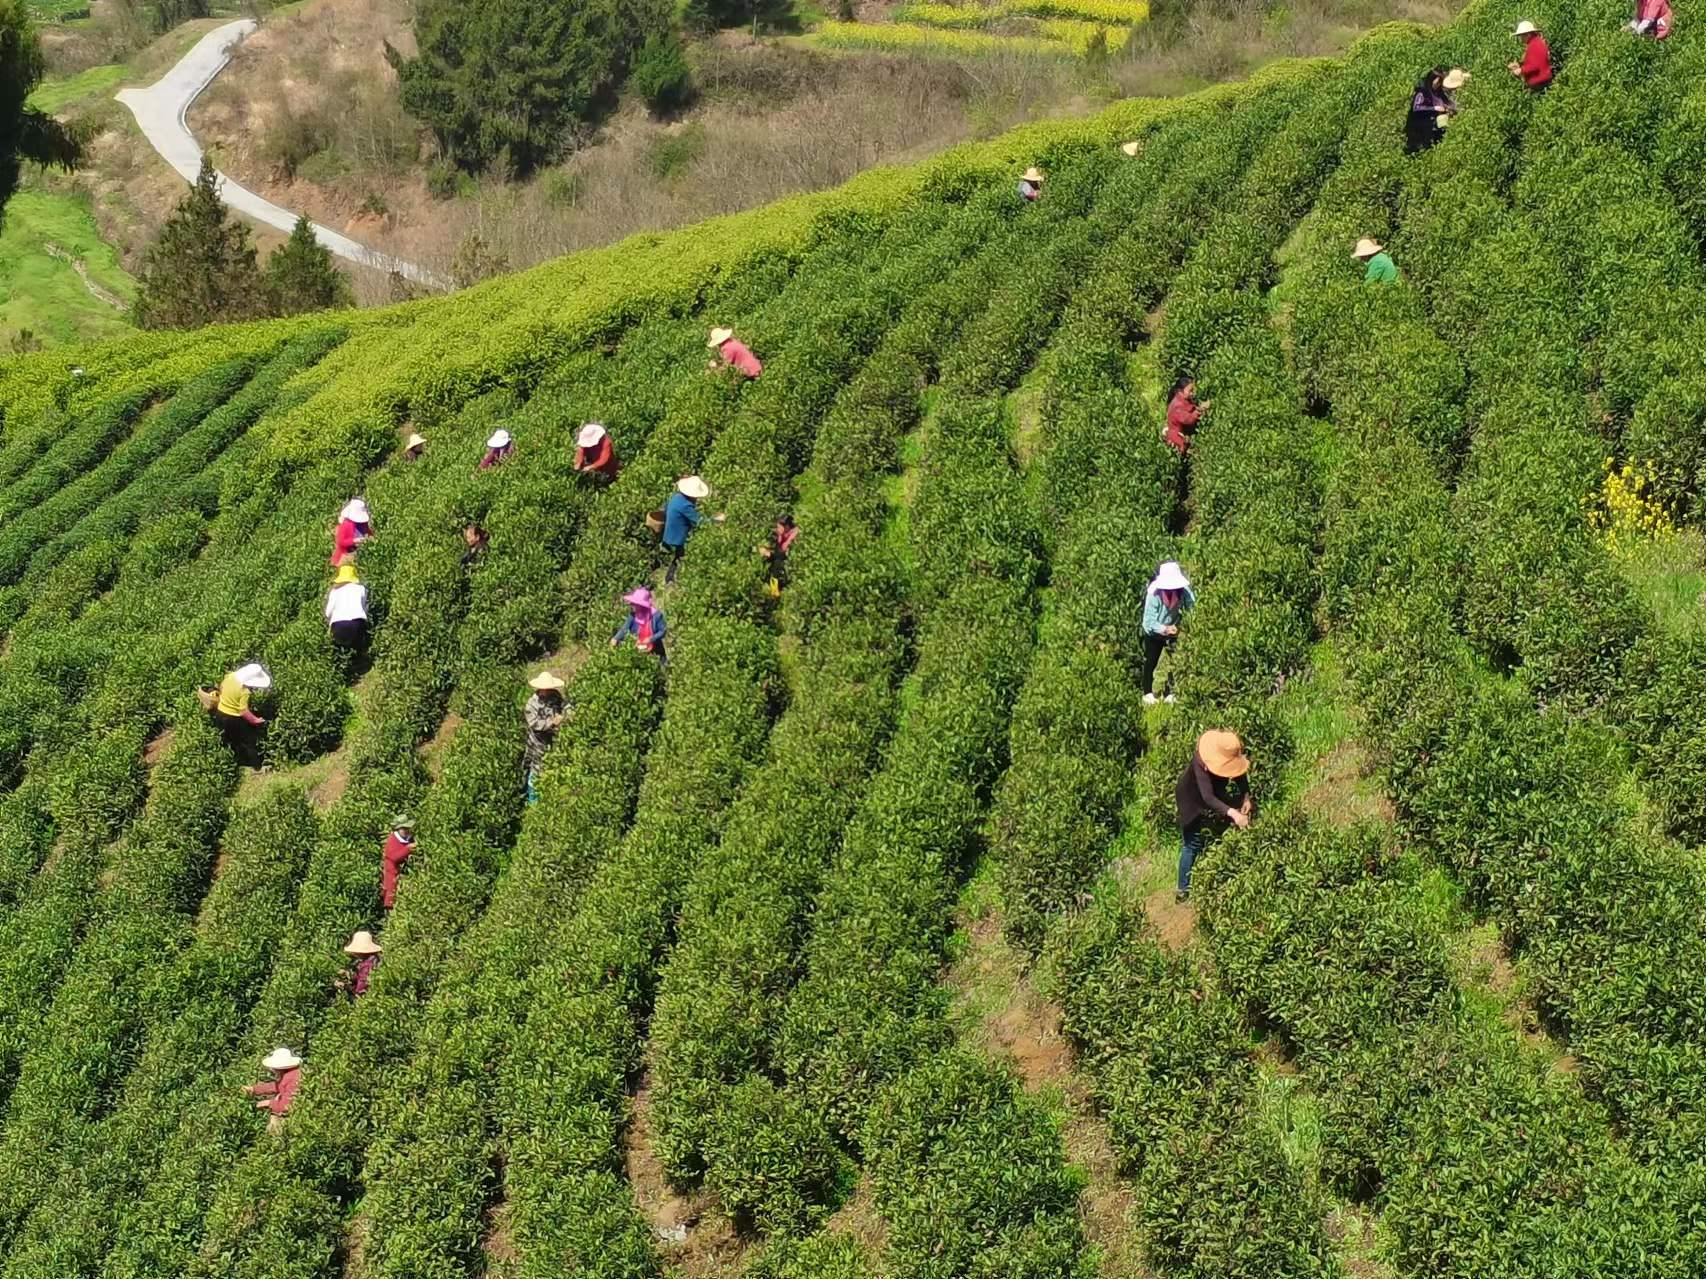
(741, 357)
(1656, 12)
(600, 458)
(282, 1092)
(1536, 66)
(344, 541)
(397, 852)
(1182, 416)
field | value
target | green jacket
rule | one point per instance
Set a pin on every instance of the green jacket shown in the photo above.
(1381, 269)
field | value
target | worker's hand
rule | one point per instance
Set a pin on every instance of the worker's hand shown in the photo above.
(1240, 818)
(1169, 630)
(263, 1104)
(614, 643)
(1515, 69)
(248, 1090)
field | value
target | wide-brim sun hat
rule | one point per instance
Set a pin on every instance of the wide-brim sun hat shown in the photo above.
(1032, 174)
(402, 821)
(1131, 148)
(254, 676)
(345, 575)
(1526, 28)
(415, 441)
(355, 509)
(281, 1059)
(1366, 248)
(362, 944)
(692, 486)
(590, 434)
(639, 596)
(1170, 577)
(546, 682)
(1222, 753)
(1456, 78)
(498, 439)
(718, 336)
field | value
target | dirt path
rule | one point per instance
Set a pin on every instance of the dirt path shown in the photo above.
(692, 1233)
(1006, 1016)
(78, 265)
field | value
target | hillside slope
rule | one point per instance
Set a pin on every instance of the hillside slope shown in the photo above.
(693, 1010)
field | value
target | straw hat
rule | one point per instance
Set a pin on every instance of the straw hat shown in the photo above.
(692, 486)
(719, 336)
(1222, 753)
(254, 676)
(546, 682)
(362, 944)
(1366, 248)
(1456, 78)
(590, 435)
(1170, 577)
(639, 596)
(281, 1059)
(355, 509)
(499, 439)
(402, 821)
(1131, 148)
(415, 441)
(1032, 174)
(1526, 28)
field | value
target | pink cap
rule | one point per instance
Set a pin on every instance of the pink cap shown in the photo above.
(639, 597)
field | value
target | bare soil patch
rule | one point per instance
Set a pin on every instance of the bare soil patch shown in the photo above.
(692, 1232)
(1174, 922)
(1346, 792)
(1352, 1229)
(159, 746)
(859, 1218)
(1015, 1021)
(432, 750)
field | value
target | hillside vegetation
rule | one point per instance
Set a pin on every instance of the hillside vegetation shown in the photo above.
(1437, 1015)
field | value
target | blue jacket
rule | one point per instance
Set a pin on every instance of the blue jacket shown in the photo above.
(631, 626)
(1156, 614)
(680, 517)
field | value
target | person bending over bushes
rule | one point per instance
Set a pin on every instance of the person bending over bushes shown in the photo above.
(238, 725)
(1211, 790)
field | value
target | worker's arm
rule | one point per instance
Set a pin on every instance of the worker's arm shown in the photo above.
(1205, 788)
(1153, 617)
(253, 718)
(690, 513)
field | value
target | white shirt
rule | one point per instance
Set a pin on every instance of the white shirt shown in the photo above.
(347, 603)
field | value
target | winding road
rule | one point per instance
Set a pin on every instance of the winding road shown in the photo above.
(161, 110)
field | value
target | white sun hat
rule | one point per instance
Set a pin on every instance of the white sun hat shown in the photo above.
(590, 435)
(415, 441)
(499, 439)
(1366, 248)
(361, 944)
(1526, 28)
(281, 1059)
(694, 487)
(1170, 577)
(546, 681)
(355, 509)
(254, 676)
(1131, 148)
(719, 335)
(1456, 78)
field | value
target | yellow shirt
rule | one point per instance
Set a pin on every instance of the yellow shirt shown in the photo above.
(233, 697)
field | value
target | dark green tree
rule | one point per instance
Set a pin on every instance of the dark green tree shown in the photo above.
(300, 275)
(201, 269)
(504, 82)
(25, 134)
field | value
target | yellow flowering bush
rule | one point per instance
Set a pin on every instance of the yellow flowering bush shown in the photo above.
(1628, 511)
(910, 39)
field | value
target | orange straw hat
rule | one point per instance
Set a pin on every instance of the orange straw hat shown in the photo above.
(1222, 753)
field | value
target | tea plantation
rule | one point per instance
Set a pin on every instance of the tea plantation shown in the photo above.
(741, 888)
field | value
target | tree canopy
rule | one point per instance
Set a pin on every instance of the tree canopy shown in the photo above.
(25, 133)
(300, 275)
(504, 82)
(201, 269)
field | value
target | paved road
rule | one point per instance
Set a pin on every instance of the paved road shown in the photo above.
(161, 109)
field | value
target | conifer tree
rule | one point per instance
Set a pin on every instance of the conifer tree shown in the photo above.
(201, 269)
(300, 276)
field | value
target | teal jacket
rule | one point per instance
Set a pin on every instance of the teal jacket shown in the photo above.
(1157, 615)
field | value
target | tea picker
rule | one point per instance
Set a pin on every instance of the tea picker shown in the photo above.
(1210, 791)
(1184, 415)
(1164, 606)
(544, 713)
(680, 517)
(355, 526)
(1031, 185)
(229, 706)
(346, 609)
(732, 353)
(1535, 67)
(399, 847)
(644, 622)
(1379, 268)
(595, 455)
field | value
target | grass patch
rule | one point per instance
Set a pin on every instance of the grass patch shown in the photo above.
(54, 96)
(1669, 573)
(44, 293)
